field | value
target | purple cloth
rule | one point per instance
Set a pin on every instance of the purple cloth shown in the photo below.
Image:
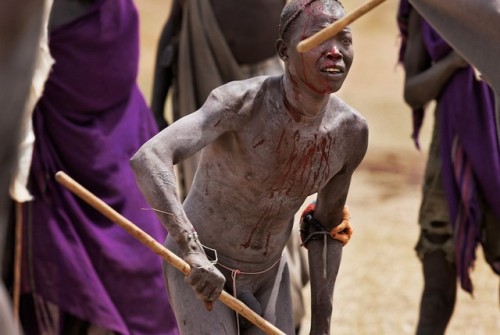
(91, 119)
(467, 117)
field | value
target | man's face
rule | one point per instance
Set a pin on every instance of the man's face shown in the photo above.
(324, 68)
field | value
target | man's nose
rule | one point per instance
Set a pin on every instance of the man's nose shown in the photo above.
(333, 52)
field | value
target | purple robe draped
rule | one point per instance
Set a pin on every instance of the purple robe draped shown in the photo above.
(91, 119)
(467, 132)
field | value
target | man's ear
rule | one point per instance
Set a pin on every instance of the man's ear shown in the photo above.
(282, 49)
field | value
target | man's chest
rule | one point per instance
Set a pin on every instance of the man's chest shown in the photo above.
(290, 161)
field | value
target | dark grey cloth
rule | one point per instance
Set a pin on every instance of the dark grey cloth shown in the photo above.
(205, 62)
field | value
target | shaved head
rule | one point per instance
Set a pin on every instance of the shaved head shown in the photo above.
(294, 8)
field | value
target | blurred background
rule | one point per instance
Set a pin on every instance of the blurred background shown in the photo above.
(380, 280)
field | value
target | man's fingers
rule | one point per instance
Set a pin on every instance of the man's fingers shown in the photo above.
(342, 232)
(342, 238)
(207, 283)
(339, 228)
(210, 293)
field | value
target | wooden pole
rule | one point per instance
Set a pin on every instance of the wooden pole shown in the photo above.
(16, 294)
(159, 249)
(337, 26)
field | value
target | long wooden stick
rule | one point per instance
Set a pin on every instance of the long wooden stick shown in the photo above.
(337, 26)
(159, 249)
(16, 292)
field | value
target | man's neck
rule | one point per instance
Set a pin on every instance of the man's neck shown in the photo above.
(301, 102)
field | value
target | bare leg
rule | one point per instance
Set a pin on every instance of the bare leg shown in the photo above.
(438, 298)
(277, 304)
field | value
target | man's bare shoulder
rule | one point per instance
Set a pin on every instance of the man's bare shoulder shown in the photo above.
(242, 88)
(352, 129)
(238, 96)
(348, 116)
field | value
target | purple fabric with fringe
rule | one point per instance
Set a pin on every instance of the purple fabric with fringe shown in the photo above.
(91, 119)
(470, 154)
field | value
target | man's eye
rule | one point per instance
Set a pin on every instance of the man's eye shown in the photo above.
(347, 41)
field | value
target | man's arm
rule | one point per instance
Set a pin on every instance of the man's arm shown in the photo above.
(153, 166)
(329, 212)
(166, 55)
(471, 28)
(425, 80)
(324, 267)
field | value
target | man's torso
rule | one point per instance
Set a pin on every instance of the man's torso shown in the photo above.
(251, 182)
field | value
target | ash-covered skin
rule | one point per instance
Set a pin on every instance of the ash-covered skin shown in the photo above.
(266, 144)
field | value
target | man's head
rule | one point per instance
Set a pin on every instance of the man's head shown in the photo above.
(324, 68)
(294, 8)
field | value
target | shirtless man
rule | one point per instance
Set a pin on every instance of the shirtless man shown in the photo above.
(228, 47)
(267, 143)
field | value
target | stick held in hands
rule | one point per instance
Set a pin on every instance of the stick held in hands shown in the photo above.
(159, 249)
(337, 26)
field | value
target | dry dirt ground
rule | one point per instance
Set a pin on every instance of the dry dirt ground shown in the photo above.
(379, 284)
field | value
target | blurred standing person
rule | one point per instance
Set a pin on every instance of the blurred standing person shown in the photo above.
(203, 45)
(82, 274)
(456, 212)
(20, 30)
(11, 260)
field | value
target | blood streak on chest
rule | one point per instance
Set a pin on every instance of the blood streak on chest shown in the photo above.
(306, 164)
(258, 143)
(260, 234)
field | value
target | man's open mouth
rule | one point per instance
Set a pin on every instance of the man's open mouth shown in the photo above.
(332, 70)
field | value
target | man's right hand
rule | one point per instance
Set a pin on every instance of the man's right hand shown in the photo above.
(205, 279)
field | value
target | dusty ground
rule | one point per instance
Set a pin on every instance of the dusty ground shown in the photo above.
(379, 284)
